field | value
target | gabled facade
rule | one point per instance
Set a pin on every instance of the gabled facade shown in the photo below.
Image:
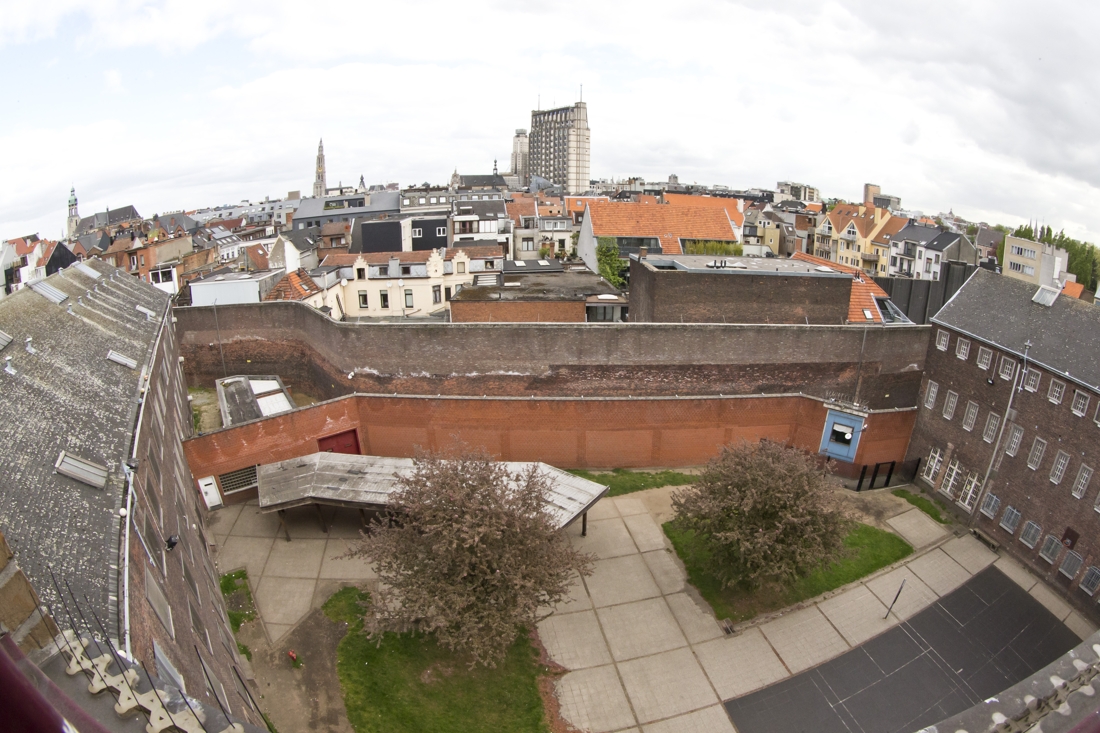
(847, 233)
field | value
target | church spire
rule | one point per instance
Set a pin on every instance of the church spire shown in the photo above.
(319, 182)
(72, 223)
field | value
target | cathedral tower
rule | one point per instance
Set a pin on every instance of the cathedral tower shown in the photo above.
(73, 222)
(319, 182)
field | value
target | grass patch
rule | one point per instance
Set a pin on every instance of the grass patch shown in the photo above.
(621, 481)
(867, 549)
(926, 505)
(409, 683)
(244, 651)
(238, 599)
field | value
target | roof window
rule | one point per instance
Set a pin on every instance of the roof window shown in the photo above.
(118, 358)
(81, 470)
(5, 339)
(49, 292)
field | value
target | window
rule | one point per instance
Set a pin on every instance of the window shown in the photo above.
(1007, 366)
(1023, 252)
(527, 245)
(1018, 267)
(155, 595)
(437, 294)
(404, 202)
(1071, 564)
(1081, 483)
(1050, 549)
(1091, 581)
(930, 394)
(985, 357)
(962, 349)
(363, 299)
(991, 424)
(1058, 470)
(970, 490)
(1015, 437)
(461, 268)
(1031, 533)
(421, 200)
(970, 416)
(490, 264)
(951, 478)
(990, 505)
(1031, 379)
(1036, 456)
(932, 467)
(1056, 392)
(408, 299)
(441, 231)
(360, 273)
(447, 294)
(943, 338)
(417, 233)
(133, 262)
(1080, 403)
(949, 405)
(432, 200)
(239, 480)
(1010, 520)
(383, 299)
(406, 270)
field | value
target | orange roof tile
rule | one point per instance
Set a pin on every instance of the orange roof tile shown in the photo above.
(864, 289)
(1073, 290)
(815, 206)
(46, 253)
(862, 216)
(258, 255)
(730, 205)
(670, 224)
(520, 207)
(23, 246)
(295, 285)
(576, 204)
(892, 226)
(380, 258)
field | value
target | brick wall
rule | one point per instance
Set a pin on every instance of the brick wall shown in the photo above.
(1031, 492)
(497, 311)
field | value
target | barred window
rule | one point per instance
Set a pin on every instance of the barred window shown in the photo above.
(951, 478)
(962, 349)
(239, 480)
(949, 405)
(1081, 484)
(930, 394)
(1007, 366)
(1050, 549)
(1036, 456)
(1091, 581)
(970, 490)
(1058, 470)
(943, 338)
(1056, 392)
(1010, 520)
(971, 415)
(1080, 403)
(932, 467)
(1071, 564)
(1031, 379)
(991, 424)
(1031, 533)
(990, 505)
(1015, 437)
(985, 357)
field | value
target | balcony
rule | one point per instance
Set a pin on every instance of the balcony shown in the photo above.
(869, 257)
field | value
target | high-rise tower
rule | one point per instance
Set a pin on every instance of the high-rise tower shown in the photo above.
(520, 152)
(72, 223)
(319, 182)
(559, 147)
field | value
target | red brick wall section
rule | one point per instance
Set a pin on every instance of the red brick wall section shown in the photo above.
(484, 311)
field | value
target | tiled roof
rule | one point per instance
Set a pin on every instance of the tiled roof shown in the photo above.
(576, 204)
(520, 207)
(23, 246)
(46, 253)
(815, 206)
(295, 285)
(668, 223)
(892, 226)
(862, 216)
(381, 258)
(730, 205)
(1073, 290)
(258, 255)
(864, 289)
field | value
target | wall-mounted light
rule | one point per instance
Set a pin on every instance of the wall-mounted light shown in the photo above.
(171, 542)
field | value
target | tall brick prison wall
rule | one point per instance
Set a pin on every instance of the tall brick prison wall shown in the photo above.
(876, 366)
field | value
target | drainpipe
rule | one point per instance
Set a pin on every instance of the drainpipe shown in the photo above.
(126, 562)
(1016, 386)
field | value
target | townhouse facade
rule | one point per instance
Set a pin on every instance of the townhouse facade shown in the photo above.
(847, 236)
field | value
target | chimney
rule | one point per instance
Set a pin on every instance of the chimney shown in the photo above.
(642, 252)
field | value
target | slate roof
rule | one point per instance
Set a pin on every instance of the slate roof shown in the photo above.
(492, 209)
(107, 218)
(999, 310)
(69, 397)
(889, 231)
(942, 241)
(483, 181)
(730, 205)
(474, 252)
(917, 233)
(864, 289)
(666, 222)
(380, 201)
(987, 237)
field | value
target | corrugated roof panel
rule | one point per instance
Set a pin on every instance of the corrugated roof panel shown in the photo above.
(81, 470)
(5, 339)
(94, 274)
(122, 359)
(49, 292)
(148, 313)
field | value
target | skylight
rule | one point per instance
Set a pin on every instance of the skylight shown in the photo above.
(49, 292)
(94, 274)
(82, 470)
(118, 358)
(5, 339)
(1045, 296)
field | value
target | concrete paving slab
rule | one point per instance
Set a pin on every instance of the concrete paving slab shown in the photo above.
(665, 685)
(251, 523)
(283, 600)
(939, 571)
(738, 665)
(857, 614)
(1080, 625)
(1053, 603)
(646, 533)
(697, 623)
(707, 720)
(244, 552)
(917, 528)
(297, 559)
(344, 524)
(277, 631)
(915, 597)
(620, 580)
(576, 600)
(1016, 572)
(628, 505)
(640, 628)
(333, 566)
(219, 523)
(970, 553)
(593, 700)
(303, 523)
(574, 640)
(606, 538)
(804, 639)
(666, 570)
(604, 509)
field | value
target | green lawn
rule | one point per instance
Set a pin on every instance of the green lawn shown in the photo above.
(238, 599)
(866, 550)
(621, 481)
(411, 684)
(926, 505)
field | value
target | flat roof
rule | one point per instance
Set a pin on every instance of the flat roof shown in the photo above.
(541, 286)
(242, 399)
(734, 265)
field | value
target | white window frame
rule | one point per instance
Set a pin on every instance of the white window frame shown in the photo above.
(949, 404)
(990, 504)
(364, 301)
(930, 393)
(1081, 483)
(1015, 438)
(1035, 455)
(1032, 379)
(970, 417)
(409, 298)
(1080, 403)
(1071, 564)
(943, 340)
(1030, 538)
(962, 348)
(1010, 520)
(970, 490)
(985, 357)
(1056, 391)
(933, 464)
(417, 233)
(951, 478)
(441, 231)
(992, 424)
(1058, 468)
(1005, 370)
(1051, 549)
(1091, 581)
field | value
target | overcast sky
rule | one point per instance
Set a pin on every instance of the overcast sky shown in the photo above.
(989, 109)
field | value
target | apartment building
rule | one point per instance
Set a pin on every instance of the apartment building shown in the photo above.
(559, 147)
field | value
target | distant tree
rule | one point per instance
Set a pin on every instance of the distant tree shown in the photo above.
(609, 262)
(468, 553)
(764, 511)
(971, 230)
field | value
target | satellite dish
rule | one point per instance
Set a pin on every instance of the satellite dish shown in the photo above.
(847, 436)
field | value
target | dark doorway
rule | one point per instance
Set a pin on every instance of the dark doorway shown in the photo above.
(346, 442)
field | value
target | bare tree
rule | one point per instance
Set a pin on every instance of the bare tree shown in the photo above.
(765, 512)
(468, 553)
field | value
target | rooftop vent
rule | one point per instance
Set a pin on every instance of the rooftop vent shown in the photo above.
(49, 292)
(118, 358)
(8, 367)
(149, 315)
(5, 339)
(94, 274)
(82, 470)
(1045, 296)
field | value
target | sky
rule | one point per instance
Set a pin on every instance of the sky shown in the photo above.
(988, 109)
